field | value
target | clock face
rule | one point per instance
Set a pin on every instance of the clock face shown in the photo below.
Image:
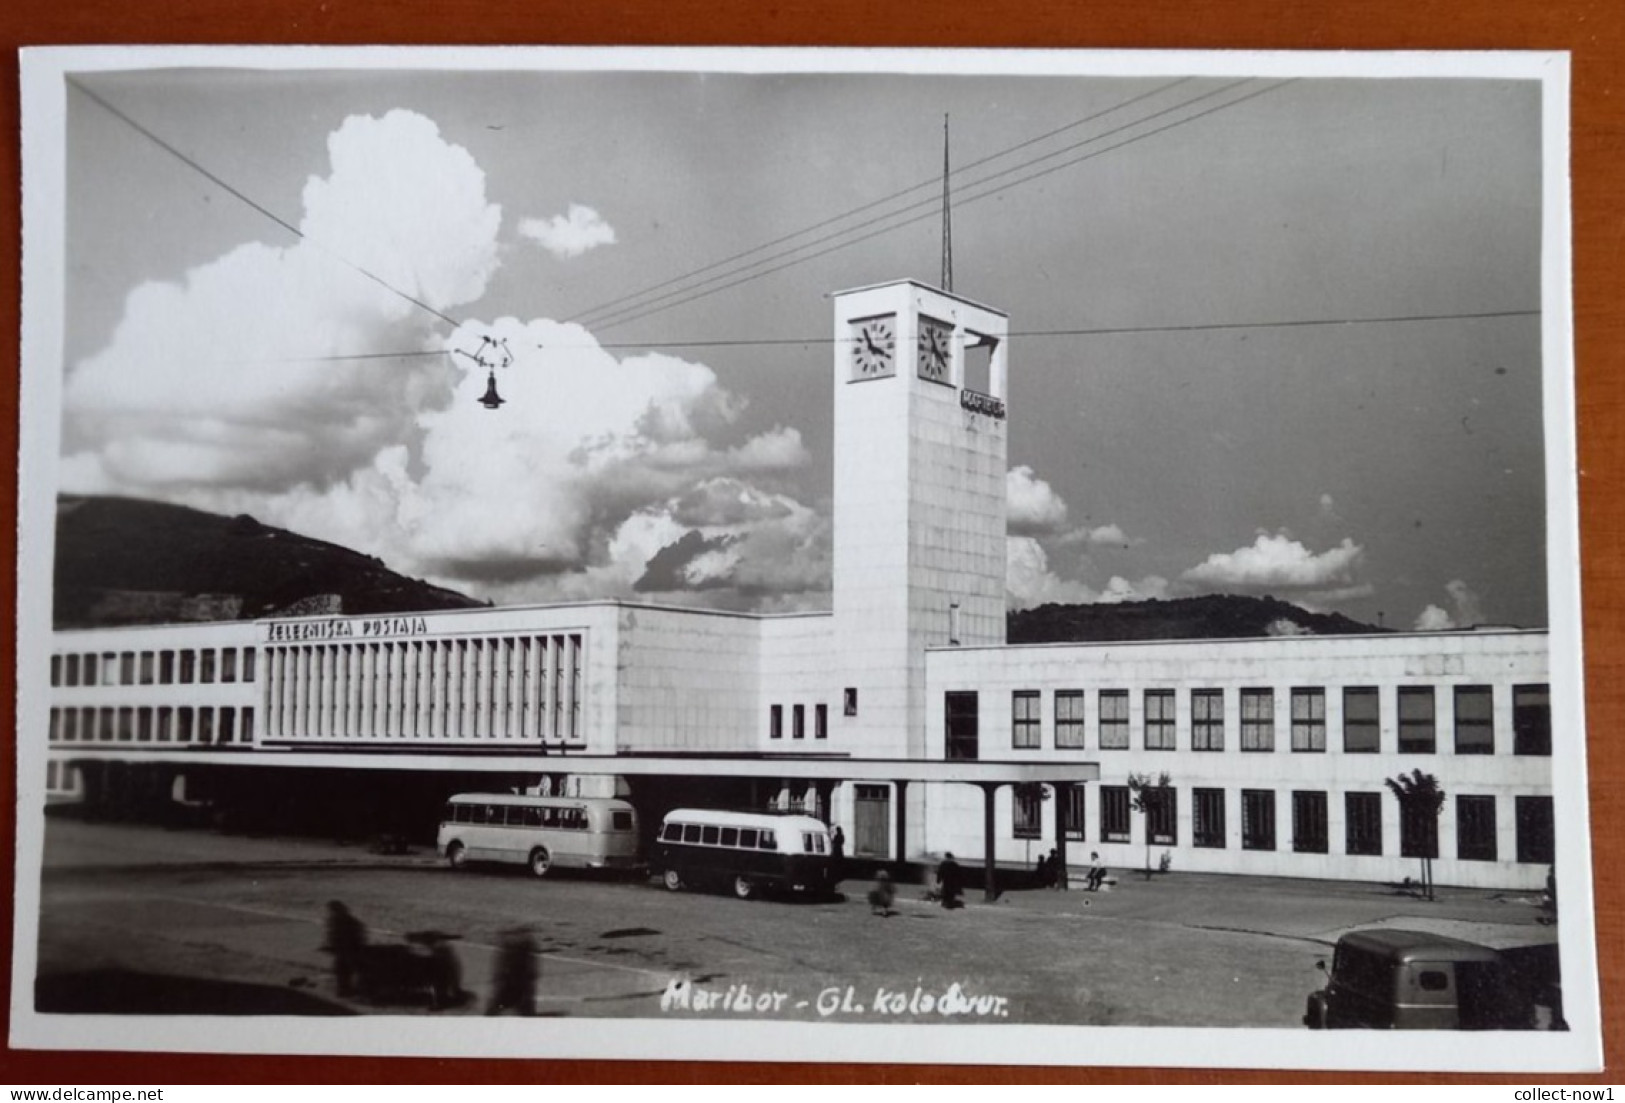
(933, 351)
(874, 347)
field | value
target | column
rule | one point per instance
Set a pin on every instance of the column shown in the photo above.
(1063, 798)
(990, 888)
(900, 816)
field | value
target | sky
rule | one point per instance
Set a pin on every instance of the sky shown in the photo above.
(283, 288)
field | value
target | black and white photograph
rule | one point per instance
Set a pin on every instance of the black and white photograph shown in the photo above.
(1044, 557)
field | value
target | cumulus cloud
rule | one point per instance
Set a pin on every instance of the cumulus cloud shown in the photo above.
(1286, 626)
(1434, 619)
(1469, 609)
(1034, 506)
(1278, 562)
(1101, 536)
(1465, 611)
(1030, 581)
(213, 393)
(570, 234)
(223, 380)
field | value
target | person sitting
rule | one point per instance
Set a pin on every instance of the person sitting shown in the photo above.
(1097, 873)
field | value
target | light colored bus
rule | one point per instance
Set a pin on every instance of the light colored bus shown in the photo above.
(541, 832)
(745, 851)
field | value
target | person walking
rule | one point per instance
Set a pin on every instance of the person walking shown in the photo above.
(347, 942)
(950, 882)
(513, 985)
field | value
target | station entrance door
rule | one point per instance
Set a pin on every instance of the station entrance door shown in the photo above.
(871, 821)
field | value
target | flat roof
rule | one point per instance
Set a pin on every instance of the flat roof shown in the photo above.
(808, 767)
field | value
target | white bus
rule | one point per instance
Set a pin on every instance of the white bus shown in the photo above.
(745, 851)
(541, 832)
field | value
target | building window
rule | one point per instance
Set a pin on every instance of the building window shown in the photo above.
(205, 725)
(1362, 720)
(70, 725)
(1026, 719)
(775, 722)
(964, 722)
(1257, 819)
(71, 671)
(166, 668)
(228, 665)
(798, 721)
(126, 669)
(207, 666)
(820, 721)
(1207, 818)
(89, 671)
(1416, 727)
(1069, 719)
(109, 669)
(1475, 720)
(1114, 813)
(228, 725)
(1207, 719)
(1309, 822)
(1258, 719)
(1162, 814)
(1309, 719)
(248, 724)
(1114, 719)
(1531, 720)
(166, 725)
(1159, 720)
(1475, 829)
(248, 663)
(1362, 819)
(148, 671)
(56, 677)
(1072, 810)
(188, 673)
(849, 704)
(143, 725)
(183, 725)
(1535, 832)
(1026, 807)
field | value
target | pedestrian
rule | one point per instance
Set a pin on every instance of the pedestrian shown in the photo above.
(1042, 872)
(347, 942)
(1097, 873)
(513, 984)
(837, 843)
(1057, 873)
(882, 895)
(950, 882)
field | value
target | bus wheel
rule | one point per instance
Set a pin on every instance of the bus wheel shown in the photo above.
(672, 880)
(456, 856)
(743, 888)
(540, 861)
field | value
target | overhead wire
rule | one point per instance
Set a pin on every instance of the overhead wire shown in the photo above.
(638, 313)
(604, 318)
(225, 185)
(928, 182)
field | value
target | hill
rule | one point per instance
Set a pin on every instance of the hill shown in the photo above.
(1214, 616)
(129, 561)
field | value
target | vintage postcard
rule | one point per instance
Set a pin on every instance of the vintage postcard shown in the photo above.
(927, 556)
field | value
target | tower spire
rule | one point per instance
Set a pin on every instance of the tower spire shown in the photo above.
(947, 217)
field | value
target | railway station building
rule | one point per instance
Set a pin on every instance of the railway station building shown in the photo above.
(901, 713)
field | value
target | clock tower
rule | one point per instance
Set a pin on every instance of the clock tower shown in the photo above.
(920, 458)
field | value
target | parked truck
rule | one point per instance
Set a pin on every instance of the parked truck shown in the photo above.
(1391, 979)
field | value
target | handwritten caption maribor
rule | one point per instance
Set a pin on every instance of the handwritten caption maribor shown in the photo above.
(955, 1001)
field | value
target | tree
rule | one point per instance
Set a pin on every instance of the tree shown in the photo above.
(1032, 792)
(1421, 799)
(1146, 796)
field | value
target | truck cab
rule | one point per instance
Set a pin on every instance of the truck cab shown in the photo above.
(1414, 980)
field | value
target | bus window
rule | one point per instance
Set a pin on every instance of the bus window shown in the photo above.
(708, 835)
(575, 819)
(671, 833)
(730, 836)
(516, 816)
(533, 817)
(691, 832)
(620, 821)
(747, 838)
(768, 841)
